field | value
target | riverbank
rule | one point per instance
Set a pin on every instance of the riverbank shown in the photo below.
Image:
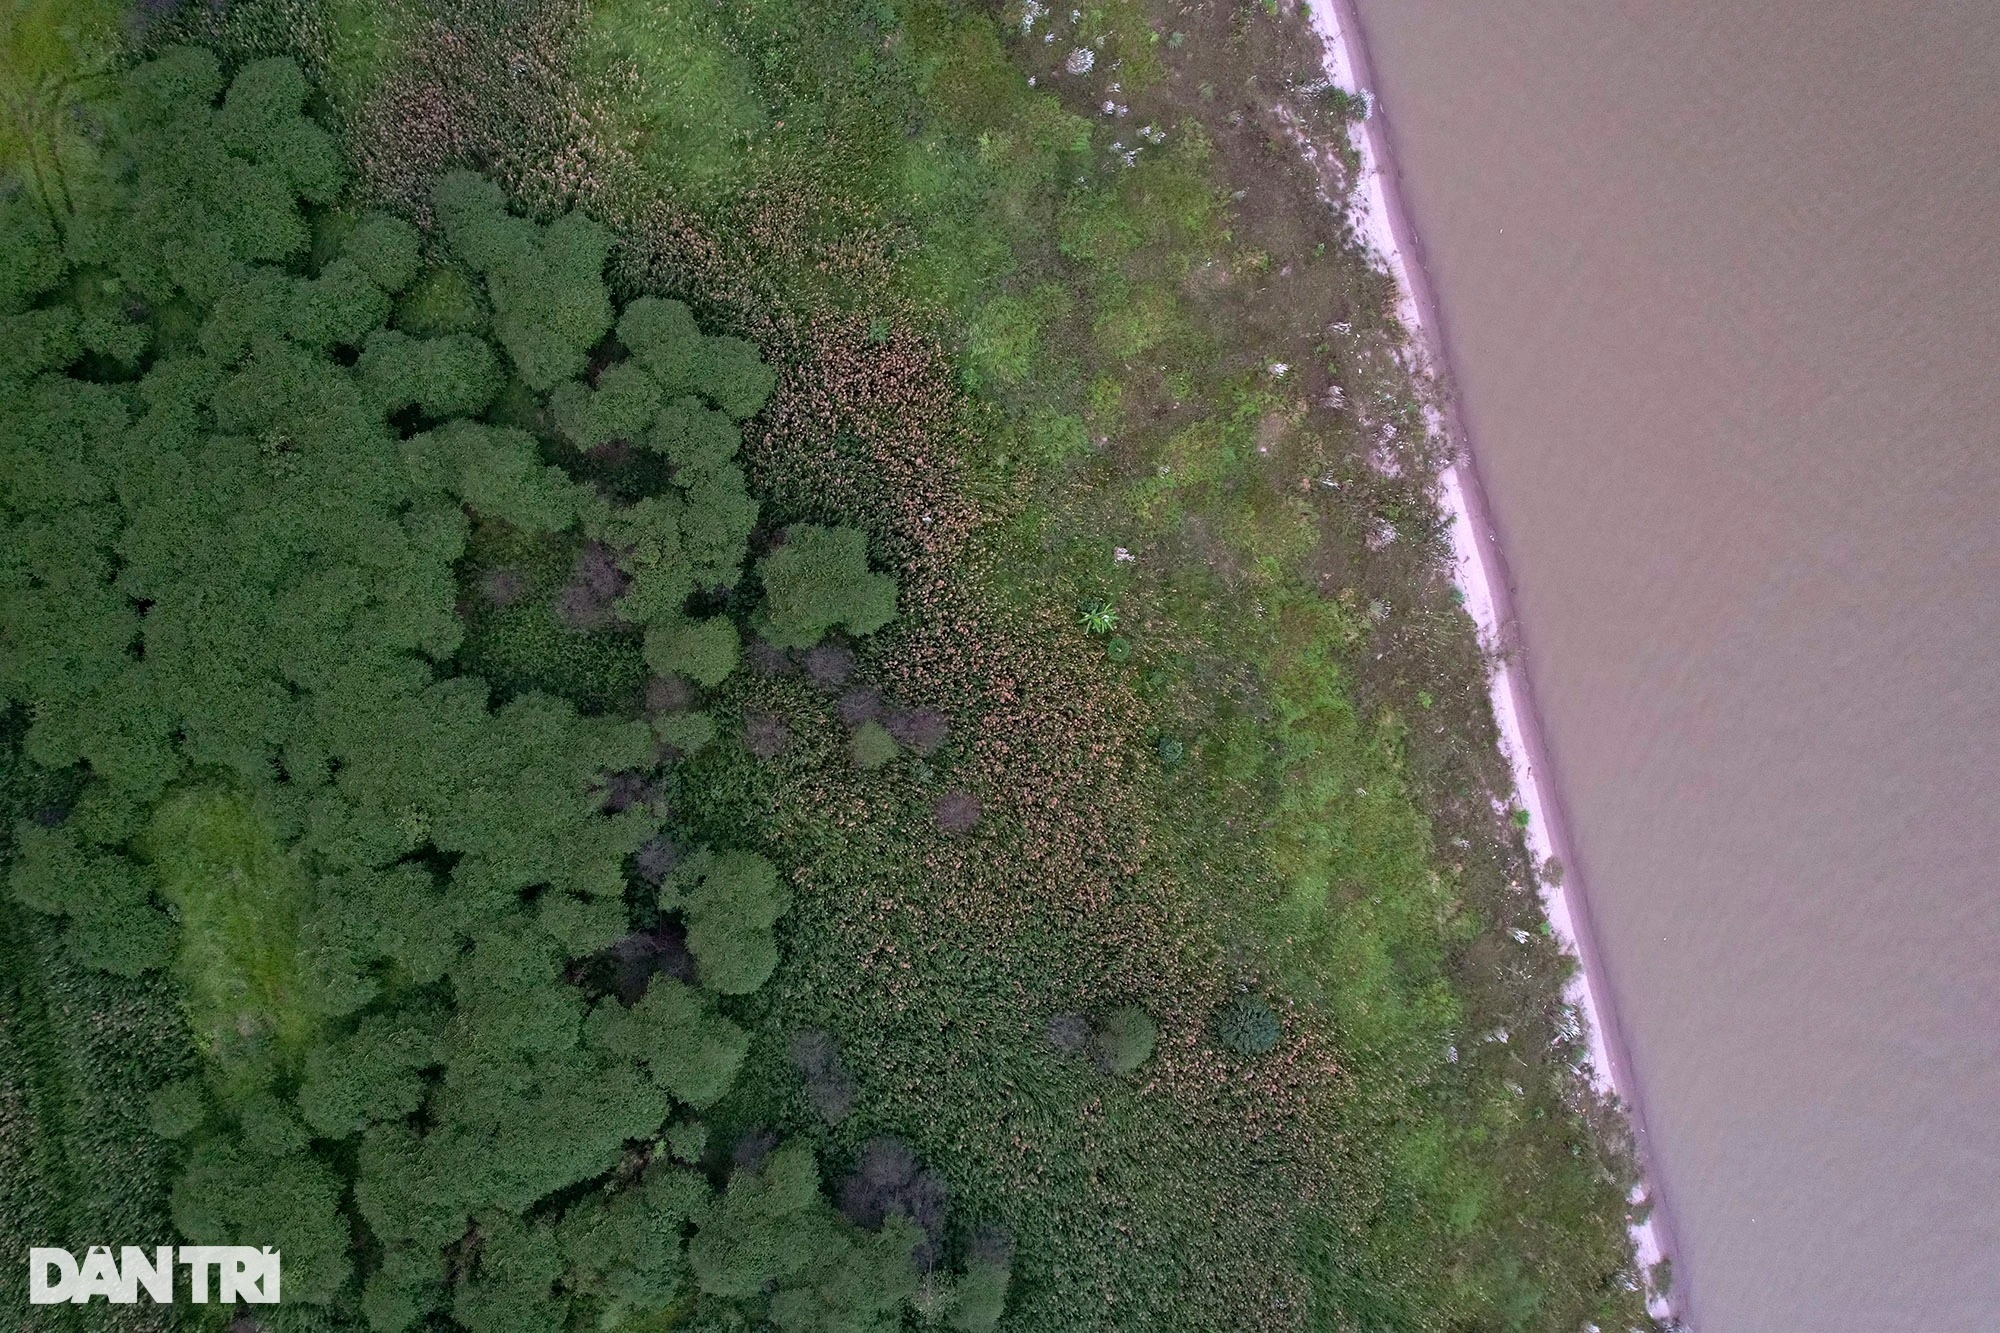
(1481, 573)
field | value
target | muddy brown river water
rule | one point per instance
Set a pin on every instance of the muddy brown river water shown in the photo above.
(1720, 287)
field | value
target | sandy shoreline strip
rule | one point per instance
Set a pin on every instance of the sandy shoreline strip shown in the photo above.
(1481, 573)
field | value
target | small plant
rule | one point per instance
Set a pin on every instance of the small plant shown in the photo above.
(1118, 648)
(686, 1140)
(1097, 617)
(1069, 1031)
(1247, 1026)
(872, 745)
(1124, 1041)
(1172, 753)
(1342, 103)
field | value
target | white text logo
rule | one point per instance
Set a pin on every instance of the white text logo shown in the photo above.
(240, 1273)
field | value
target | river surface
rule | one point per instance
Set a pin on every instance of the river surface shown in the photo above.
(1721, 293)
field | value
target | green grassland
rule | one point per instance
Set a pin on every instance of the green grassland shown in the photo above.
(1152, 949)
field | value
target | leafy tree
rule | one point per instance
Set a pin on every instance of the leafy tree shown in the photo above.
(443, 300)
(730, 900)
(625, 1252)
(751, 1234)
(495, 470)
(692, 436)
(369, 1075)
(288, 1200)
(735, 378)
(685, 731)
(387, 251)
(716, 526)
(819, 579)
(705, 651)
(179, 1108)
(676, 1035)
(981, 1295)
(550, 305)
(405, 1287)
(855, 1281)
(210, 187)
(105, 896)
(672, 362)
(451, 375)
(235, 508)
(513, 1282)
(621, 406)
(662, 337)
(687, 1139)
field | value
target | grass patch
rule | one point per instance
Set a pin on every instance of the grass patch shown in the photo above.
(53, 55)
(239, 898)
(79, 1053)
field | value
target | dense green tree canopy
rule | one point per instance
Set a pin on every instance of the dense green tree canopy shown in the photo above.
(236, 506)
